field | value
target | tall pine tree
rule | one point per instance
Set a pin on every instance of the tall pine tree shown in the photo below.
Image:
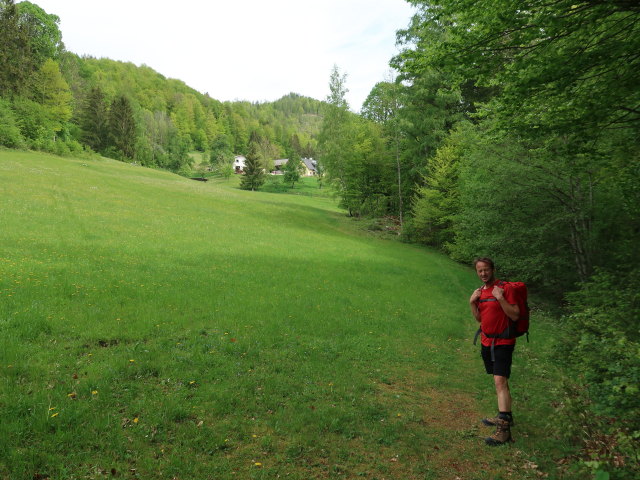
(122, 127)
(95, 120)
(254, 176)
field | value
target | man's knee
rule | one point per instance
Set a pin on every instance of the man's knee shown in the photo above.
(502, 383)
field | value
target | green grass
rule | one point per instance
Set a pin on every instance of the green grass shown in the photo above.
(157, 326)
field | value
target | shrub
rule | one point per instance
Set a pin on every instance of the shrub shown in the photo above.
(10, 135)
(602, 347)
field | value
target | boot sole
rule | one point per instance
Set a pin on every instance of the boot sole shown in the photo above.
(489, 423)
(494, 443)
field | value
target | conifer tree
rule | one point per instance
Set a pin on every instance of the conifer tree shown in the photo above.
(94, 120)
(254, 176)
(122, 127)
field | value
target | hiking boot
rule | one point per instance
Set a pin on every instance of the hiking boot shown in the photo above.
(502, 434)
(492, 422)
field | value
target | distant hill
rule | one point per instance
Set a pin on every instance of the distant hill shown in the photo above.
(56, 101)
(201, 122)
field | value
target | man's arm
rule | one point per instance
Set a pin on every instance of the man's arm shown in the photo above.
(512, 311)
(473, 303)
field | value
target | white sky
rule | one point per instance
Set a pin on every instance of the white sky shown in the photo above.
(242, 49)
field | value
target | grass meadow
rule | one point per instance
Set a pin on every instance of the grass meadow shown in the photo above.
(155, 327)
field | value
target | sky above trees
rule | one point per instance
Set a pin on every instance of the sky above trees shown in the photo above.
(245, 49)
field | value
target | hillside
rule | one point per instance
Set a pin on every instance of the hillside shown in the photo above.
(165, 328)
(56, 101)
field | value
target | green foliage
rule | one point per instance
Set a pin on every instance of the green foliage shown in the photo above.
(225, 170)
(354, 154)
(546, 179)
(16, 60)
(50, 89)
(292, 169)
(383, 106)
(94, 120)
(10, 135)
(604, 358)
(44, 33)
(221, 152)
(506, 212)
(165, 118)
(437, 202)
(254, 176)
(122, 128)
(34, 122)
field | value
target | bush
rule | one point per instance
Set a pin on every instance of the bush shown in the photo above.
(10, 135)
(602, 347)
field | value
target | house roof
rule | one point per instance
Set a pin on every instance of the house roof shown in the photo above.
(310, 163)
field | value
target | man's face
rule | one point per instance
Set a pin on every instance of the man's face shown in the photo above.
(485, 272)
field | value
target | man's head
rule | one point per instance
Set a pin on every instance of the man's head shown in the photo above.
(485, 269)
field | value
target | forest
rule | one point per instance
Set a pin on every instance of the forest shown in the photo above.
(508, 129)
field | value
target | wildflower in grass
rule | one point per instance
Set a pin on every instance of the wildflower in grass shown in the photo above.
(131, 360)
(136, 420)
(257, 464)
(72, 395)
(94, 392)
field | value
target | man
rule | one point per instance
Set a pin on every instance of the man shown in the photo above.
(494, 307)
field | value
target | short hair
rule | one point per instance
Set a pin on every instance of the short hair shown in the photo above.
(486, 260)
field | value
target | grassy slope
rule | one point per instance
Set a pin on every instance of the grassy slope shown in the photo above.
(154, 325)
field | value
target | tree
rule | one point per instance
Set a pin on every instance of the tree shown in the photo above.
(51, 91)
(221, 152)
(44, 33)
(334, 138)
(10, 135)
(264, 149)
(16, 60)
(353, 151)
(292, 169)
(94, 120)
(436, 203)
(383, 106)
(559, 76)
(254, 176)
(122, 127)
(225, 170)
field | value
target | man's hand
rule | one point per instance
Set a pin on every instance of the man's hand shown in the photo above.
(512, 311)
(498, 293)
(475, 296)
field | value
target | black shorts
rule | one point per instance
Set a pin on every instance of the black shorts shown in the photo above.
(503, 355)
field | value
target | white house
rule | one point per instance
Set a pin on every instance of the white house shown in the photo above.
(239, 163)
(310, 167)
(308, 164)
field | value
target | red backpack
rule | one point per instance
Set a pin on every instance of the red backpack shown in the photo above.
(514, 329)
